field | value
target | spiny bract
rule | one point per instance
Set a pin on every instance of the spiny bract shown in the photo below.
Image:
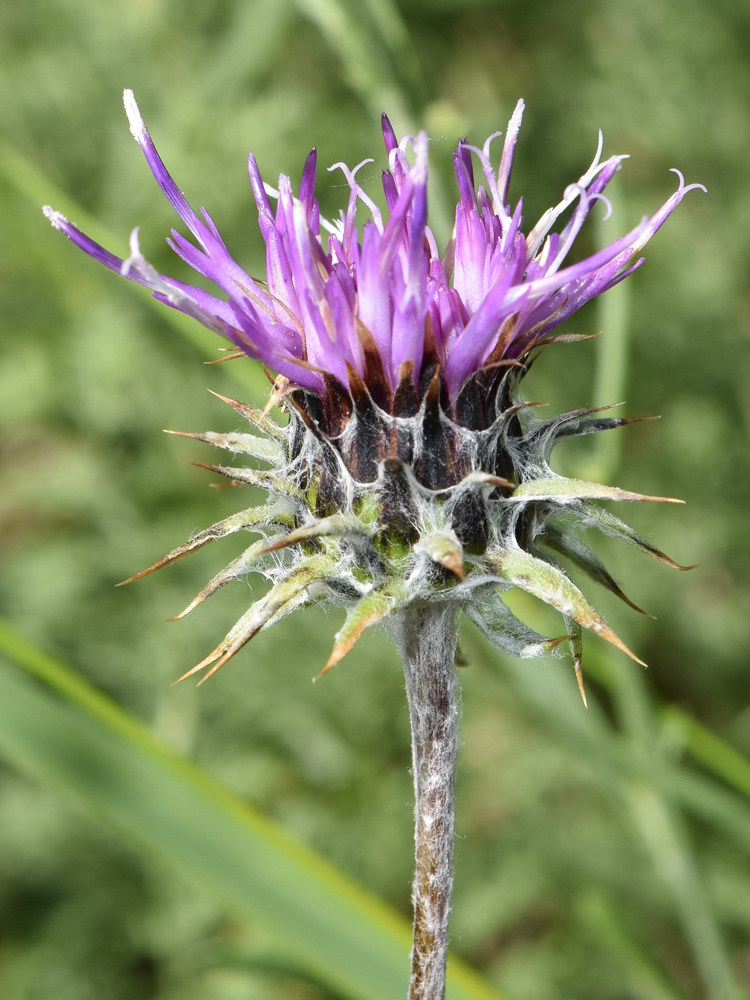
(371, 510)
(410, 469)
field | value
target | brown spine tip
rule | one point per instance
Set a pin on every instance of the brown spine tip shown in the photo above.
(199, 666)
(606, 633)
(246, 411)
(251, 414)
(199, 599)
(338, 654)
(643, 497)
(227, 357)
(551, 643)
(453, 562)
(624, 597)
(581, 688)
(164, 561)
(220, 470)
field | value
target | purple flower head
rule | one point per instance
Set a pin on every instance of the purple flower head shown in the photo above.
(376, 300)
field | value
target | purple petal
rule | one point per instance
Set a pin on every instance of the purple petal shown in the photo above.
(373, 300)
(484, 326)
(307, 182)
(389, 136)
(509, 149)
(161, 174)
(319, 297)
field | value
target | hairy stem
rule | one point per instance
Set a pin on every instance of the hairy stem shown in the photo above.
(426, 638)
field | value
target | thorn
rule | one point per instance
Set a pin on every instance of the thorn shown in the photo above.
(502, 364)
(284, 543)
(638, 420)
(485, 479)
(453, 562)
(164, 561)
(662, 557)
(579, 679)
(199, 666)
(228, 357)
(248, 412)
(220, 471)
(220, 663)
(199, 599)
(633, 605)
(333, 659)
(230, 402)
(254, 416)
(194, 435)
(643, 496)
(551, 643)
(224, 656)
(338, 653)
(202, 465)
(606, 633)
(618, 592)
(347, 642)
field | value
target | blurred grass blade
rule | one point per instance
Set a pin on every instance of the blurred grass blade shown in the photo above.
(85, 744)
(613, 309)
(645, 979)
(650, 786)
(554, 700)
(675, 864)
(611, 375)
(366, 66)
(659, 823)
(706, 800)
(252, 41)
(38, 190)
(392, 29)
(708, 748)
(373, 51)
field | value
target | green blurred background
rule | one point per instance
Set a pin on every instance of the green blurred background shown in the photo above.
(601, 854)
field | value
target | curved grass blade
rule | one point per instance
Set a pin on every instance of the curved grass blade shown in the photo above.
(674, 862)
(66, 734)
(372, 42)
(646, 979)
(366, 63)
(708, 748)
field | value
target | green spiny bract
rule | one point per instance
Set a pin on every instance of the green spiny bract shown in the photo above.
(377, 502)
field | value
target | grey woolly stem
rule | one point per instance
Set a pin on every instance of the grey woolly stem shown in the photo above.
(426, 637)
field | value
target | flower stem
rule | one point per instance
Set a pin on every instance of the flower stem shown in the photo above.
(426, 638)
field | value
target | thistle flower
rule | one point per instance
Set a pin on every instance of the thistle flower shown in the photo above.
(411, 480)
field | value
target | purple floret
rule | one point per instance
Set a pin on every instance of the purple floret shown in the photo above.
(329, 303)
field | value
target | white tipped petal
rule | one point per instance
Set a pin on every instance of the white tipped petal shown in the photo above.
(137, 126)
(57, 219)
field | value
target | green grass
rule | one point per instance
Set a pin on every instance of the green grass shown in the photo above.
(602, 854)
